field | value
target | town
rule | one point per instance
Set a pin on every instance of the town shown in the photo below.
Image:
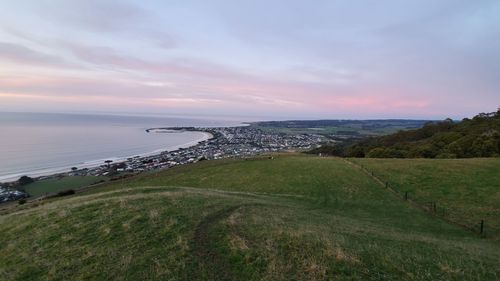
(225, 142)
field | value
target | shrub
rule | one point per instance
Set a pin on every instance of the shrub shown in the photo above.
(24, 180)
(66, 192)
(446, 155)
(377, 152)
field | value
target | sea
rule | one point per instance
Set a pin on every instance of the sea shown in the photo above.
(37, 144)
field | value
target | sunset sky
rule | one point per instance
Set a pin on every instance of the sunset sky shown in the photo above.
(268, 59)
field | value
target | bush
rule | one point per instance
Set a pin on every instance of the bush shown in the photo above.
(377, 152)
(21, 201)
(335, 149)
(477, 137)
(24, 180)
(66, 192)
(380, 152)
(446, 155)
(355, 151)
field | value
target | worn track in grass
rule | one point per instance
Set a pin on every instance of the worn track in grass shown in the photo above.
(208, 257)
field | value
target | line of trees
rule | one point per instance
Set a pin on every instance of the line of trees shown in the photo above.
(476, 137)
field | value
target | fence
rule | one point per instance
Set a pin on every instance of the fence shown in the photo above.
(430, 207)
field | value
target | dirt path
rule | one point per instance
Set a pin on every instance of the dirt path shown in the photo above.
(216, 266)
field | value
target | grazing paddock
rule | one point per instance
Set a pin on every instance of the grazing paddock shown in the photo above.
(293, 217)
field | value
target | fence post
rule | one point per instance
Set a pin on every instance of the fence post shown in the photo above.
(406, 195)
(482, 227)
(434, 206)
(386, 184)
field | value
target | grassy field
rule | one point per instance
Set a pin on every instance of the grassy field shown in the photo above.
(55, 185)
(332, 130)
(339, 127)
(467, 189)
(293, 217)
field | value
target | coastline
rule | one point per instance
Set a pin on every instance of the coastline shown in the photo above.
(95, 163)
(214, 143)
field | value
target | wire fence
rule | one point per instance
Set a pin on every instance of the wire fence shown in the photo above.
(431, 207)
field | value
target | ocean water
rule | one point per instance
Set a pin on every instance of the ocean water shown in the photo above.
(38, 144)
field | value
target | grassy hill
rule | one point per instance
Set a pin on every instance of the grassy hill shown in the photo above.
(293, 217)
(476, 137)
(468, 191)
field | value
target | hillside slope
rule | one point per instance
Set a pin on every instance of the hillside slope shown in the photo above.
(476, 137)
(289, 218)
(465, 191)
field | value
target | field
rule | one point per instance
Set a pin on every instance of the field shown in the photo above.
(293, 217)
(333, 131)
(353, 128)
(468, 190)
(55, 185)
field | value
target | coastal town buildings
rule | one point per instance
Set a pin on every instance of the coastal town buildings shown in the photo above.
(226, 142)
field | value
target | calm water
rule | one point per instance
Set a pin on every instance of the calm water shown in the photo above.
(38, 144)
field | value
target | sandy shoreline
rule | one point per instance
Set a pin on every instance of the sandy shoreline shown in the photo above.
(98, 162)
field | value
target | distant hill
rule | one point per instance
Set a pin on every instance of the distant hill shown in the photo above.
(366, 124)
(476, 137)
(341, 129)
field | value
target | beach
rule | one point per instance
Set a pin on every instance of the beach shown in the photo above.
(35, 145)
(99, 162)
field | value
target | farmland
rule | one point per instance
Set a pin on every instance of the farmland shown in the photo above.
(60, 184)
(286, 217)
(468, 190)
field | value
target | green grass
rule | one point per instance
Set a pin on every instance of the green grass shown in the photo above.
(55, 185)
(333, 130)
(292, 218)
(468, 190)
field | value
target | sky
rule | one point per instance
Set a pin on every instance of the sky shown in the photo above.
(281, 59)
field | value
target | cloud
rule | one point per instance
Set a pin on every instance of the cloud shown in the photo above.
(110, 57)
(291, 57)
(94, 15)
(23, 55)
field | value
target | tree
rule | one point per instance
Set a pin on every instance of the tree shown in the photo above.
(377, 152)
(24, 180)
(74, 169)
(476, 137)
(380, 152)
(108, 162)
(355, 150)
